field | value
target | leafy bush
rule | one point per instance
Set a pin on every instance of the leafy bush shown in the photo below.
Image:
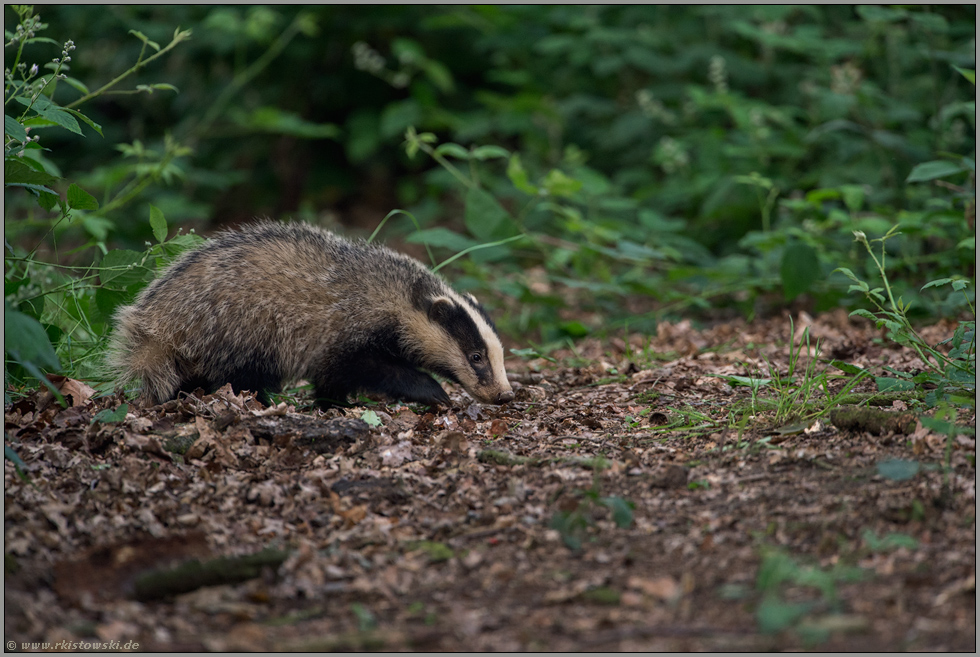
(60, 303)
(627, 163)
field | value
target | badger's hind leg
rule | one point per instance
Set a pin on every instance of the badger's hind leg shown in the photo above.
(259, 375)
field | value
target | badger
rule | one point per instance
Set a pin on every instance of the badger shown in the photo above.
(275, 302)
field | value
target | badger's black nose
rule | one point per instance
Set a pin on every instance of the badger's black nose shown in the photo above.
(505, 397)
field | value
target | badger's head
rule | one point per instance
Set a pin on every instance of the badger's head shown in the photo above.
(458, 341)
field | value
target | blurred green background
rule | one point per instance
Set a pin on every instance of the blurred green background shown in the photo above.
(659, 162)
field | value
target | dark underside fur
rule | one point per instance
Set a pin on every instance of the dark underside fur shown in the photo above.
(376, 368)
(377, 364)
(274, 303)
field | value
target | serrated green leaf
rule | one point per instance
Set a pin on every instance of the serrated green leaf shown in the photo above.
(92, 124)
(52, 112)
(453, 150)
(439, 74)
(937, 283)
(743, 380)
(159, 86)
(277, 121)
(847, 272)
(26, 340)
(847, 368)
(559, 184)
(49, 199)
(306, 22)
(79, 199)
(47, 40)
(441, 237)
(121, 268)
(489, 152)
(861, 312)
(945, 427)
(177, 245)
(13, 128)
(932, 170)
(853, 196)
(485, 218)
(532, 353)
(40, 189)
(518, 176)
(107, 301)
(76, 84)
(158, 223)
(15, 171)
(887, 383)
(371, 418)
(110, 416)
(574, 328)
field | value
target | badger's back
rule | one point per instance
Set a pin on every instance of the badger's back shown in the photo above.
(277, 302)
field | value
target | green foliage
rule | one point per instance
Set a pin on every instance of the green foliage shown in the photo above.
(366, 621)
(808, 617)
(581, 168)
(803, 393)
(898, 469)
(371, 418)
(890, 542)
(436, 551)
(57, 313)
(951, 376)
(110, 416)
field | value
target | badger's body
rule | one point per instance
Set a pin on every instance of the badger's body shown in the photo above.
(274, 303)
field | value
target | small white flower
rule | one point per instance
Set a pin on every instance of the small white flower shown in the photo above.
(717, 74)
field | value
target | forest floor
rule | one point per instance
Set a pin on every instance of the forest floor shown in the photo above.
(631, 498)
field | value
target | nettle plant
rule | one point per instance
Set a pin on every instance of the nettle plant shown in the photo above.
(56, 314)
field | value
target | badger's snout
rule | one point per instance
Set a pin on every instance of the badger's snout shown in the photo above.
(504, 397)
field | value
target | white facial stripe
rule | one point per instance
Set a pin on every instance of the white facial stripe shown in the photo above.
(495, 350)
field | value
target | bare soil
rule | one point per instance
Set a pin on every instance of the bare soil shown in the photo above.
(629, 499)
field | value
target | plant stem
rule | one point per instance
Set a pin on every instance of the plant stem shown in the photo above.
(178, 37)
(446, 164)
(243, 78)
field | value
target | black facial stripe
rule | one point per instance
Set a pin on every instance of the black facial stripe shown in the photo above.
(475, 305)
(462, 329)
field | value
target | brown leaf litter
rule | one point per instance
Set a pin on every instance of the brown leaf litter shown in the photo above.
(440, 529)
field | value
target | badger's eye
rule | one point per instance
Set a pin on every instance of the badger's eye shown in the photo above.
(476, 358)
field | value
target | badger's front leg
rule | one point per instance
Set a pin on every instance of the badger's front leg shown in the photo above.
(402, 381)
(391, 377)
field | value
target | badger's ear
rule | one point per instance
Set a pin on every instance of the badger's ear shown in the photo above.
(441, 309)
